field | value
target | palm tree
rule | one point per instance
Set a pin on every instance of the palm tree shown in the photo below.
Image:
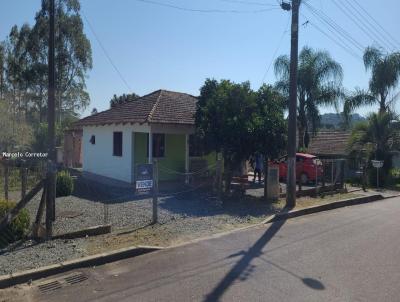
(385, 74)
(319, 84)
(375, 138)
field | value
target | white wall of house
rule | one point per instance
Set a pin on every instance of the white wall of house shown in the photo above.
(98, 158)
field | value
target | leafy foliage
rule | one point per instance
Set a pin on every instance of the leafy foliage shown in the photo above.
(15, 132)
(385, 74)
(375, 139)
(234, 120)
(319, 84)
(18, 227)
(125, 98)
(269, 126)
(65, 184)
(24, 66)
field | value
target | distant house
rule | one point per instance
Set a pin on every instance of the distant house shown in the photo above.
(330, 144)
(333, 145)
(157, 125)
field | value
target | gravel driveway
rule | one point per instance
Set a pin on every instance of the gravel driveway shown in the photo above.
(93, 204)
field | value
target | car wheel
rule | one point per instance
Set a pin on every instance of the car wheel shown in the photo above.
(304, 178)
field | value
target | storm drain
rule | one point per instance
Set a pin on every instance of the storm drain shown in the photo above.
(61, 282)
(50, 286)
(76, 279)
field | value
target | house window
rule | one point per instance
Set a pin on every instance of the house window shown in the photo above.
(196, 147)
(117, 143)
(93, 140)
(158, 145)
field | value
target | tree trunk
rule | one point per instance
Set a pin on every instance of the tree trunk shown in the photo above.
(266, 179)
(301, 137)
(382, 104)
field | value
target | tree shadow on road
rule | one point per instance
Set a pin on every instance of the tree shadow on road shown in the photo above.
(243, 267)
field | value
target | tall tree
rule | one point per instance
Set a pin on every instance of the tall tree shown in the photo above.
(73, 54)
(385, 74)
(17, 65)
(269, 126)
(224, 118)
(319, 84)
(2, 69)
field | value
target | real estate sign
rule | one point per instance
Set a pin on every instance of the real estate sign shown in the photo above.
(144, 177)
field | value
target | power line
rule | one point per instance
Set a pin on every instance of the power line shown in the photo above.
(232, 11)
(376, 22)
(339, 31)
(285, 30)
(343, 46)
(367, 23)
(358, 21)
(106, 53)
(250, 3)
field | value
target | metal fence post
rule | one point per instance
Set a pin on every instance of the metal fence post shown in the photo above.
(155, 191)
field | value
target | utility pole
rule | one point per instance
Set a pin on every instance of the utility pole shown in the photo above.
(51, 167)
(292, 125)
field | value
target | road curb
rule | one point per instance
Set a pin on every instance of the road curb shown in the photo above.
(124, 253)
(324, 207)
(88, 261)
(91, 231)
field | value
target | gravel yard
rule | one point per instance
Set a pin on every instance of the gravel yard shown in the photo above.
(181, 217)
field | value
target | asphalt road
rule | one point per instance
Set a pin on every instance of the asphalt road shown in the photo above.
(348, 254)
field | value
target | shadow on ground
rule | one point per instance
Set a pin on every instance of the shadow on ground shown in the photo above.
(244, 267)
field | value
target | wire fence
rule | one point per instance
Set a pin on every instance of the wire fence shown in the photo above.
(96, 202)
(180, 195)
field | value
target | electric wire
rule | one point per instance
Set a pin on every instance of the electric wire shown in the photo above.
(340, 44)
(231, 11)
(334, 26)
(359, 22)
(276, 50)
(379, 35)
(250, 3)
(106, 52)
(377, 23)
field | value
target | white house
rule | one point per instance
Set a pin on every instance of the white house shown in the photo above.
(116, 140)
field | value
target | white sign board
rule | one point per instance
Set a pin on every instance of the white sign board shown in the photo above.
(377, 163)
(144, 184)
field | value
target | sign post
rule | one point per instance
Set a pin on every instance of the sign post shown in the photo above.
(147, 182)
(377, 164)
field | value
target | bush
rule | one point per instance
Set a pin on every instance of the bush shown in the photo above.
(19, 226)
(65, 184)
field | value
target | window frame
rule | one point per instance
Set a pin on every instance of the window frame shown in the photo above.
(120, 149)
(154, 149)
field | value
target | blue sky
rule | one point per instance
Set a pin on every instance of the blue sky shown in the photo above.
(157, 47)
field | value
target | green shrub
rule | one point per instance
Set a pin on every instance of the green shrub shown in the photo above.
(65, 184)
(19, 226)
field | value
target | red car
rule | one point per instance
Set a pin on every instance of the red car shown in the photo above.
(307, 168)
